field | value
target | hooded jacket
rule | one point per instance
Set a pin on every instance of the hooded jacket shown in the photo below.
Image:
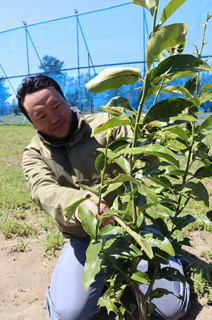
(55, 170)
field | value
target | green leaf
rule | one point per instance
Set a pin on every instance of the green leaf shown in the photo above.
(206, 87)
(160, 242)
(178, 131)
(140, 277)
(181, 222)
(172, 274)
(209, 215)
(109, 231)
(198, 192)
(191, 85)
(120, 102)
(184, 117)
(161, 181)
(70, 210)
(155, 150)
(165, 109)
(85, 187)
(110, 124)
(120, 248)
(166, 38)
(179, 63)
(148, 4)
(89, 222)
(113, 78)
(204, 172)
(177, 89)
(124, 178)
(100, 162)
(207, 124)
(145, 245)
(106, 302)
(170, 8)
(92, 264)
(119, 160)
(117, 112)
(111, 188)
(205, 97)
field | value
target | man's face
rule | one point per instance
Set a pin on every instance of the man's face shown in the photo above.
(49, 112)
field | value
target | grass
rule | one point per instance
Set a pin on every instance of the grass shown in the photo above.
(20, 219)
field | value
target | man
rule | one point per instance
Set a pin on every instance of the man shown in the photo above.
(60, 158)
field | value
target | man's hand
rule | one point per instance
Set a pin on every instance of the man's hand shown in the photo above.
(92, 206)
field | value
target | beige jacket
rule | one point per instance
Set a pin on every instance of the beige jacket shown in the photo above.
(54, 171)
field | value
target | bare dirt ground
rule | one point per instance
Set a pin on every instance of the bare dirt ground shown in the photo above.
(25, 277)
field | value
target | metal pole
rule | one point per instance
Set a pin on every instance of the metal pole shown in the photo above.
(89, 77)
(144, 42)
(78, 62)
(25, 25)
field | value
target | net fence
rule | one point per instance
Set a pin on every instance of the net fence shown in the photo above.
(75, 48)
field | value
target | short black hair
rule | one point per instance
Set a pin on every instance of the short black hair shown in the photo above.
(32, 84)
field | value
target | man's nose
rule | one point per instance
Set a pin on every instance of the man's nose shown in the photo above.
(53, 117)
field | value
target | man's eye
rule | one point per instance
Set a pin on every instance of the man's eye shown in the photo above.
(57, 107)
(42, 117)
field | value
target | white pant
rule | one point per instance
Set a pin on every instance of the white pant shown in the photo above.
(66, 298)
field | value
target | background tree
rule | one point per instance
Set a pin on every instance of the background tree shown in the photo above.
(51, 64)
(4, 95)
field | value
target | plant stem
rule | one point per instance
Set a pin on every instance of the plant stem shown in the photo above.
(108, 135)
(141, 302)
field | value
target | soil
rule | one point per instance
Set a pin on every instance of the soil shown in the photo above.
(25, 277)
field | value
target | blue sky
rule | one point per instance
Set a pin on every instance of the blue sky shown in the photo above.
(13, 12)
(113, 36)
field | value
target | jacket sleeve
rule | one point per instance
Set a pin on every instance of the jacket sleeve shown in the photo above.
(48, 194)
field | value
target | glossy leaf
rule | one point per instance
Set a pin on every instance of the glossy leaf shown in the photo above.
(109, 231)
(89, 222)
(171, 7)
(207, 124)
(165, 109)
(179, 63)
(155, 150)
(166, 38)
(196, 190)
(120, 102)
(191, 85)
(178, 131)
(106, 302)
(119, 248)
(172, 274)
(209, 215)
(113, 78)
(92, 264)
(120, 161)
(111, 188)
(110, 124)
(148, 4)
(160, 242)
(205, 97)
(181, 222)
(140, 277)
(124, 178)
(204, 172)
(70, 210)
(100, 162)
(145, 245)
(206, 87)
(178, 90)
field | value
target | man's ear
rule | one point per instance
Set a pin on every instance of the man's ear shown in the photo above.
(34, 126)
